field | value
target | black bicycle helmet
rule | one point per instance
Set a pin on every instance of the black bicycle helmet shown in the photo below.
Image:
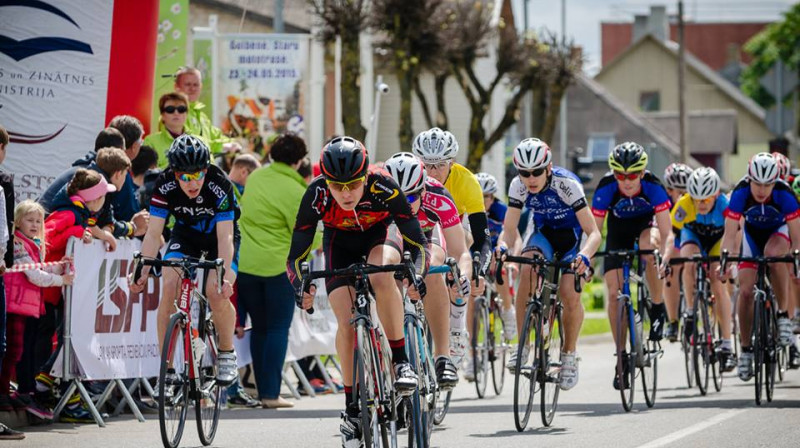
(188, 154)
(627, 157)
(344, 159)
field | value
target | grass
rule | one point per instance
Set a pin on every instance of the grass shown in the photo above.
(595, 326)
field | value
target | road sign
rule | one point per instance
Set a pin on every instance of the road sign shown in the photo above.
(772, 120)
(780, 80)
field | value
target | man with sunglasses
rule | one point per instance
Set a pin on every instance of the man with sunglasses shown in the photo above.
(676, 175)
(362, 213)
(438, 149)
(769, 210)
(200, 197)
(699, 216)
(437, 215)
(560, 217)
(635, 201)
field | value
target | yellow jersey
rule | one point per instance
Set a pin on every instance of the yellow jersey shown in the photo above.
(465, 189)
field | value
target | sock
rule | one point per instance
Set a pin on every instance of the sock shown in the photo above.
(726, 343)
(398, 351)
(747, 349)
(458, 317)
(782, 314)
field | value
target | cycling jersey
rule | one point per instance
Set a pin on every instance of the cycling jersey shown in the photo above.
(651, 198)
(703, 230)
(495, 217)
(437, 207)
(215, 203)
(465, 189)
(382, 202)
(779, 208)
(555, 205)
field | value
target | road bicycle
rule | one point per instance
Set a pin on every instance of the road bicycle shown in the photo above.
(489, 344)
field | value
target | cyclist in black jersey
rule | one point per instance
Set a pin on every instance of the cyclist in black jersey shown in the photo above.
(200, 198)
(675, 178)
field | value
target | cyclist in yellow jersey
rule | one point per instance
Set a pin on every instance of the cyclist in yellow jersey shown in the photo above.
(700, 217)
(438, 149)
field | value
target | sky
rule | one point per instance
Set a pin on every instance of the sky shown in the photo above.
(584, 16)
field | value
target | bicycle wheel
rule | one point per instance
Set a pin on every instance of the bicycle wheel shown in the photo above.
(626, 364)
(524, 372)
(783, 362)
(716, 365)
(442, 406)
(686, 346)
(759, 340)
(550, 359)
(771, 345)
(173, 384)
(497, 350)
(415, 404)
(700, 341)
(480, 342)
(651, 352)
(207, 399)
(365, 378)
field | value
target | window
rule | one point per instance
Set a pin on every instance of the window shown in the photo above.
(650, 101)
(600, 144)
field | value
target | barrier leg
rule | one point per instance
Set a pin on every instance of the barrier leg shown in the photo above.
(106, 394)
(332, 360)
(64, 399)
(90, 404)
(128, 398)
(325, 375)
(147, 387)
(303, 380)
(289, 384)
(121, 405)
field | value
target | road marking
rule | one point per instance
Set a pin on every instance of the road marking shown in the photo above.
(677, 435)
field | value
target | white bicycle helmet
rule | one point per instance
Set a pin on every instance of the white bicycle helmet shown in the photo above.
(703, 183)
(488, 183)
(435, 145)
(784, 165)
(531, 154)
(407, 170)
(677, 175)
(763, 168)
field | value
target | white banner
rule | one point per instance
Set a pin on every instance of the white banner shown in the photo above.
(54, 59)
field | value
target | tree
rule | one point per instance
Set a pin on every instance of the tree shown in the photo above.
(345, 19)
(778, 41)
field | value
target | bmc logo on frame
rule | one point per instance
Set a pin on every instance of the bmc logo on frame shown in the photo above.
(129, 307)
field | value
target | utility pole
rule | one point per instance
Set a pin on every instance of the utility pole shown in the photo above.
(278, 22)
(562, 117)
(684, 123)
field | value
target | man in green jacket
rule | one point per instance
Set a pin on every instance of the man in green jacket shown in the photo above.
(189, 80)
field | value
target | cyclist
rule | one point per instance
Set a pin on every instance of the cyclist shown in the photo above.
(496, 214)
(200, 197)
(635, 199)
(438, 150)
(559, 217)
(356, 207)
(675, 177)
(438, 217)
(769, 210)
(784, 165)
(699, 215)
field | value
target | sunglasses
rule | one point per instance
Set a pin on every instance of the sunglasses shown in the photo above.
(629, 176)
(354, 184)
(708, 200)
(412, 197)
(535, 173)
(188, 177)
(173, 109)
(437, 166)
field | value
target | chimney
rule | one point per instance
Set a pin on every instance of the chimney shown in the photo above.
(639, 27)
(733, 54)
(658, 22)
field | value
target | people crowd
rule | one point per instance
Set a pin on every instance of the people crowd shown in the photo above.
(262, 214)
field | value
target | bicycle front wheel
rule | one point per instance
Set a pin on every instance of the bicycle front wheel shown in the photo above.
(497, 350)
(550, 361)
(701, 339)
(442, 406)
(525, 372)
(365, 378)
(173, 384)
(649, 364)
(418, 435)
(759, 342)
(480, 343)
(626, 357)
(207, 399)
(772, 347)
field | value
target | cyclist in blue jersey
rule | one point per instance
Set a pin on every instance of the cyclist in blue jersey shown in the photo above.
(675, 178)
(634, 201)
(769, 210)
(495, 215)
(560, 218)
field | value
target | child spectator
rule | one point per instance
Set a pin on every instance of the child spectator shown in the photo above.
(24, 298)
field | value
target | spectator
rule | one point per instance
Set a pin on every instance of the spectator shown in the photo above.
(7, 252)
(305, 171)
(173, 107)
(24, 293)
(189, 81)
(269, 210)
(243, 165)
(124, 200)
(147, 160)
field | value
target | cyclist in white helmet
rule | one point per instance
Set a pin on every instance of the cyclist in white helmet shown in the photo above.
(675, 178)
(560, 216)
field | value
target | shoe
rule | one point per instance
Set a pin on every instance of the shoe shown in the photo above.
(509, 317)
(671, 332)
(459, 340)
(727, 359)
(657, 319)
(511, 365)
(35, 409)
(446, 373)
(785, 331)
(76, 414)
(242, 400)
(319, 386)
(745, 366)
(276, 403)
(350, 429)
(688, 329)
(794, 357)
(568, 377)
(227, 370)
(468, 367)
(19, 402)
(405, 380)
(7, 433)
(172, 380)
(626, 374)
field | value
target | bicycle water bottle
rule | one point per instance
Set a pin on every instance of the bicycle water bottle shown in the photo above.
(639, 343)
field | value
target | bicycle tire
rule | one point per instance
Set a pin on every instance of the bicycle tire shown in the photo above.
(524, 376)
(207, 416)
(366, 384)
(480, 352)
(417, 431)
(172, 355)
(550, 345)
(716, 365)
(758, 348)
(700, 339)
(442, 406)
(649, 366)
(783, 362)
(772, 346)
(624, 341)
(498, 348)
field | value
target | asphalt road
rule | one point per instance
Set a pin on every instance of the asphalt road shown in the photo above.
(590, 415)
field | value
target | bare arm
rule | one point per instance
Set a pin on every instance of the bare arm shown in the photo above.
(510, 223)
(225, 248)
(594, 238)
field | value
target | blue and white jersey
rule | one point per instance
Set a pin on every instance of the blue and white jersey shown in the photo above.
(555, 206)
(779, 208)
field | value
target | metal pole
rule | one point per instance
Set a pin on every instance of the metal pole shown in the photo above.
(779, 97)
(278, 20)
(683, 124)
(562, 118)
(372, 135)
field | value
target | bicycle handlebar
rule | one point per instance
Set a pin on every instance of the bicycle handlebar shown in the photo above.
(186, 263)
(538, 261)
(794, 258)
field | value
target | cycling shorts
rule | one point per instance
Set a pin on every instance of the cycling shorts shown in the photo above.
(709, 247)
(187, 242)
(622, 234)
(343, 248)
(756, 239)
(555, 244)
